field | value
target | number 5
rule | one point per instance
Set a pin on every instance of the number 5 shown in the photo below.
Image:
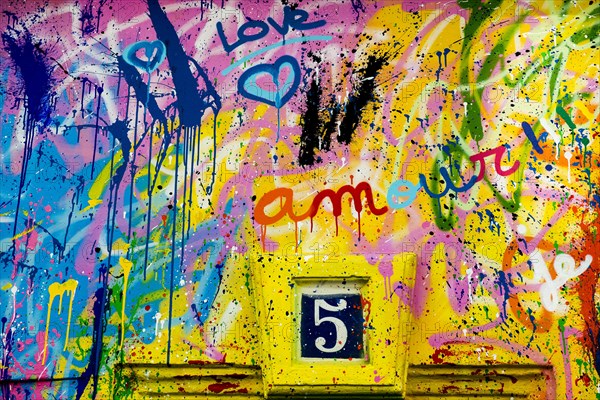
(341, 333)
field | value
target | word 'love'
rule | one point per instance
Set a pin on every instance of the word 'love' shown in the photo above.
(256, 30)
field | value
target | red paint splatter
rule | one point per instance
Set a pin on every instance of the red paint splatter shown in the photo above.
(197, 362)
(585, 379)
(439, 354)
(587, 286)
(447, 388)
(219, 387)
(366, 305)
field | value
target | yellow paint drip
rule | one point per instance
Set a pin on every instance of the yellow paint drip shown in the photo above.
(25, 232)
(126, 265)
(7, 286)
(102, 180)
(91, 204)
(59, 289)
(120, 246)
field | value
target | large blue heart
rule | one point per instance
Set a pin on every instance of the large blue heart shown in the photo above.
(155, 55)
(248, 87)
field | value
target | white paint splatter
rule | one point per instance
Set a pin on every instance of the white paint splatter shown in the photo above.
(564, 266)
(568, 156)
(547, 125)
(469, 280)
(157, 318)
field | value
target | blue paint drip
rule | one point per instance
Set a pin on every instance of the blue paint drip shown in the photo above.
(504, 283)
(173, 244)
(446, 51)
(93, 367)
(439, 70)
(531, 136)
(493, 223)
(36, 81)
(358, 6)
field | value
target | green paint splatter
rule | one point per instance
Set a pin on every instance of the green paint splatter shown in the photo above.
(564, 115)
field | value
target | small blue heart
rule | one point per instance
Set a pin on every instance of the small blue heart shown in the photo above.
(248, 87)
(155, 54)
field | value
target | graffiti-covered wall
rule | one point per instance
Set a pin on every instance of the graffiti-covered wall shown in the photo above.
(174, 174)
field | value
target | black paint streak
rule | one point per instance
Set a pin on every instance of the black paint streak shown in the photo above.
(318, 127)
(311, 126)
(362, 94)
(330, 126)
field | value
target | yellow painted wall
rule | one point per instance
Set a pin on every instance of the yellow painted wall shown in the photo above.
(442, 158)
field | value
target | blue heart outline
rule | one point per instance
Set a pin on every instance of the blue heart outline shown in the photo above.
(130, 56)
(248, 87)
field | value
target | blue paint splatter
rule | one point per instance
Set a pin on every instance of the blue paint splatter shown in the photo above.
(35, 72)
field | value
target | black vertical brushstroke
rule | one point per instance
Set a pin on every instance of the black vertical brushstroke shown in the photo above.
(361, 95)
(317, 130)
(311, 125)
(99, 14)
(330, 127)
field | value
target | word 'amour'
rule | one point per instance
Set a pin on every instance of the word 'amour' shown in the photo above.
(400, 194)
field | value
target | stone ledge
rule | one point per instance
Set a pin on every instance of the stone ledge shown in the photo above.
(223, 381)
(478, 381)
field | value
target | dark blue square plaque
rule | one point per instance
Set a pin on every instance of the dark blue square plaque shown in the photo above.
(331, 326)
